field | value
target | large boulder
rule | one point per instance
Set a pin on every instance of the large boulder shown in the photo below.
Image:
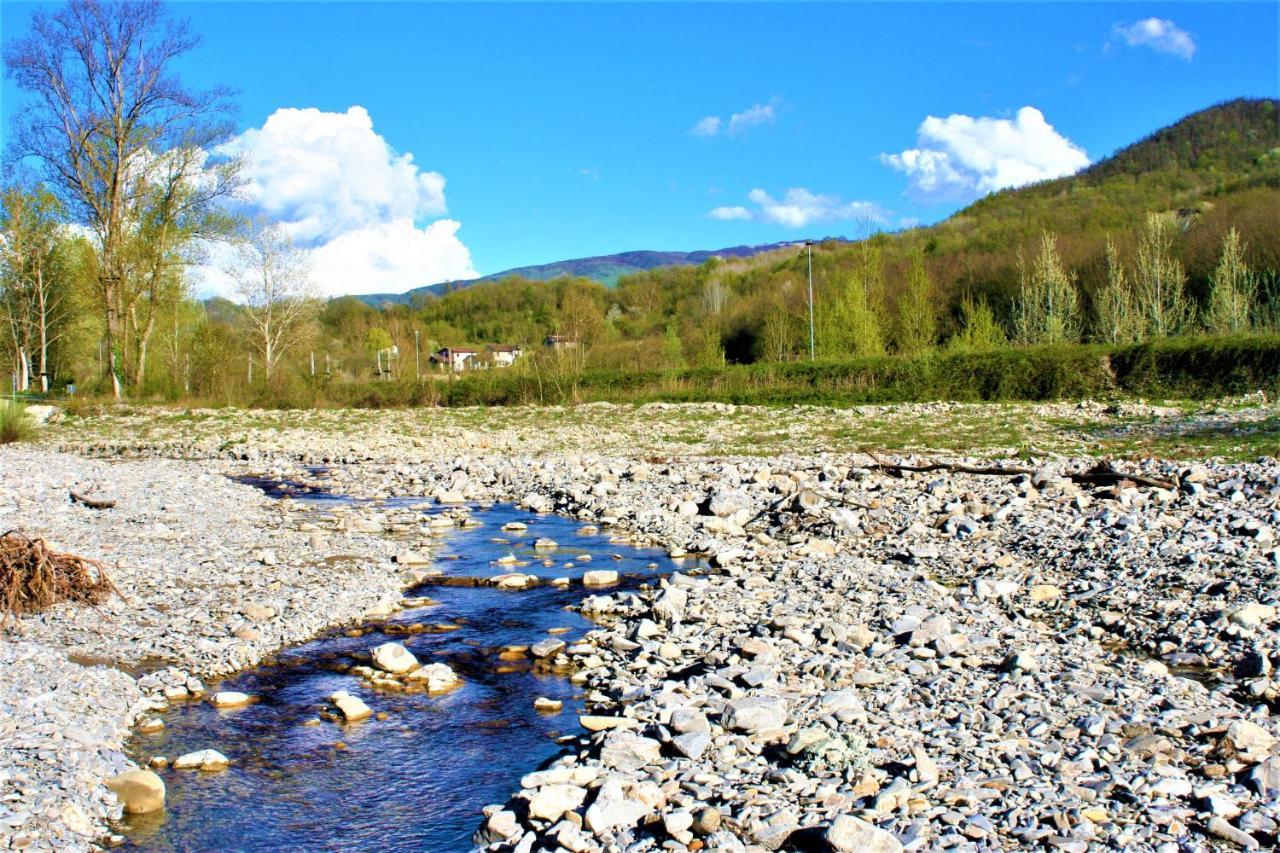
(139, 791)
(230, 699)
(352, 708)
(552, 801)
(671, 604)
(848, 833)
(439, 677)
(755, 714)
(599, 577)
(626, 750)
(394, 658)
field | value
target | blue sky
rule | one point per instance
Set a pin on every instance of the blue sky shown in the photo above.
(568, 130)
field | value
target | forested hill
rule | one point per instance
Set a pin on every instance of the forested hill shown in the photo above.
(606, 269)
(1210, 158)
(1170, 201)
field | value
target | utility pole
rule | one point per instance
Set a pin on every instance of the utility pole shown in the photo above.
(417, 363)
(808, 245)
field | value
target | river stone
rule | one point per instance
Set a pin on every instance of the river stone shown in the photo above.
(692, 744)
(671, 604)
(755, 714)
(848, 833)
(546, 648)
(547, 706)
(206, 759)
(608, 813)
(629, 751)
(139, 791)
(1253, 615)
(351, 707)
(596, 723)
(411, 559)
(600, 577)
(552, 801)
(1251, 741)
(230, 699)
(438, 676)
(394, 658)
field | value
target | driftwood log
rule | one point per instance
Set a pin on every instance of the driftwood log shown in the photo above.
(92, 502)
(1101, 474)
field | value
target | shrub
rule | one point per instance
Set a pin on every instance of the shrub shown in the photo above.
(15, 424)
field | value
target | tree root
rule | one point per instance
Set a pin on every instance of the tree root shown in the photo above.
(34, 577)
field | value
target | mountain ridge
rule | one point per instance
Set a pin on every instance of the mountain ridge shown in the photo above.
(606, 269)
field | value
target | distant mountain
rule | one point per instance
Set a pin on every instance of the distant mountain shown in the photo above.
(606, 269)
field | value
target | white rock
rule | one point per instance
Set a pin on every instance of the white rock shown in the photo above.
(205, 759)
(394, 658)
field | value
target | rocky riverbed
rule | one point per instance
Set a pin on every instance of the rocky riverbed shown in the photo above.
(881, 661)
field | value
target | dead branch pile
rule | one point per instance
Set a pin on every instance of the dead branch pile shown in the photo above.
(33, 576)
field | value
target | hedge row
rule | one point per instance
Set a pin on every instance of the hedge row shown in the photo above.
(1175, 368)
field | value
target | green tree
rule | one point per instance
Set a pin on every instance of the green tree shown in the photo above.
(1117, 315)
(1048, 308)
(1232, 288)
(979, 330)
(1160, 281)
(851, 326)
(916, 321)
(33, 283)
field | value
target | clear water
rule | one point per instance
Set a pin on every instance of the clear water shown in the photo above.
(417, 780)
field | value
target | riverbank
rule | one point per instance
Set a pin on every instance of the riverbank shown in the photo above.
(951, 660)
(956, 660)
(214, 577)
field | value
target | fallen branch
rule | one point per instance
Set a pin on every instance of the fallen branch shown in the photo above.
(92, 503)
(1101, 474)
(33, 577)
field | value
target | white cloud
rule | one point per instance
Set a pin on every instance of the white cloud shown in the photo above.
(707, 126)
(798, 207)
(363, 210)
(755, 115)
(728, 214)
(961, 156)
(1159, 34)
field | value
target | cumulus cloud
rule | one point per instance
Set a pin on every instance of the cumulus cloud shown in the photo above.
(1159, 34)
(707, 126)
(369, 217)
(798, 207)
(753, 116)
(728, 214)
(961, 156)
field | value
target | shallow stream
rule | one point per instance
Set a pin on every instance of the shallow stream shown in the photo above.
(417, 779)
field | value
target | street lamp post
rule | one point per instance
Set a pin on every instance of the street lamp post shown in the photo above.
(808, 245)
(417, 364)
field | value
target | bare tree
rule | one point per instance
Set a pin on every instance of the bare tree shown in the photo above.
(105, 102)
(273, 279)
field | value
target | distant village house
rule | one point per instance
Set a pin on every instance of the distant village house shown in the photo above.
(557, 342)
(453, 358)
(503, 355)
(458, 359)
